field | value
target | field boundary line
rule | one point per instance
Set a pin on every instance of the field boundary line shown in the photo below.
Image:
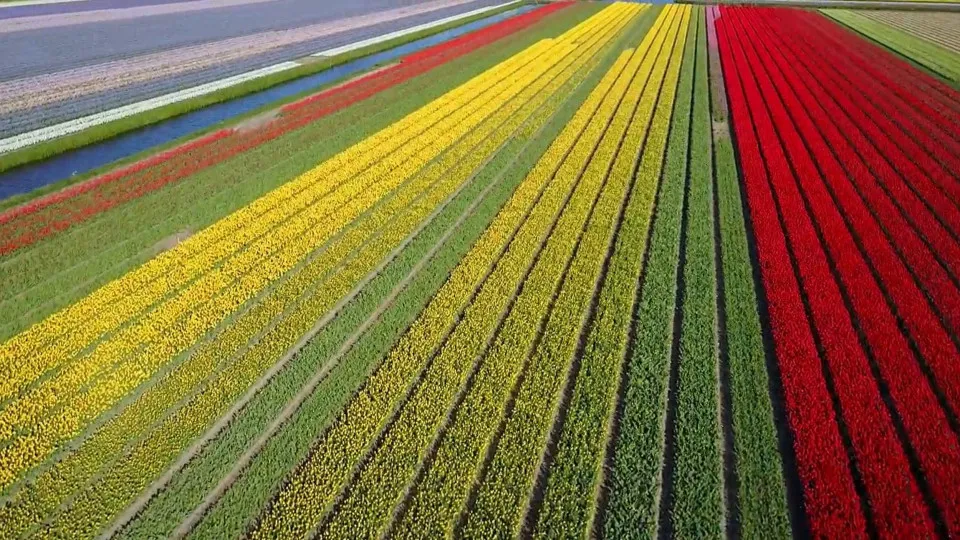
(21, 3)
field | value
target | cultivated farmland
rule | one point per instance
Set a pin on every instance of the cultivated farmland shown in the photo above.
(608, 270)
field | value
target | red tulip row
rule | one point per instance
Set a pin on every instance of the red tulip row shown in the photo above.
(937, 103)
(831, 499)
(938, 99)
(46, 216)
(819, 177)
(925, 422)
(934, 182)
(73, 191)
(901, 105)
(905, 252)
(897, 135)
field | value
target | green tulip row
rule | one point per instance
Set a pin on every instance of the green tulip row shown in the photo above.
(697, 505)
(761, 504)
(637, 451)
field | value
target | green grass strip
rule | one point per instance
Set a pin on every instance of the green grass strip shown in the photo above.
(697, 508)
(49, 275)
(761, 509)
(637, 454)
(935, 58)
(112, 129)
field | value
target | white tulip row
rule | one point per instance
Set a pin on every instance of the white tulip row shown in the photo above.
(400, 33)
(20, 3)
(73, 126)
(70, 127)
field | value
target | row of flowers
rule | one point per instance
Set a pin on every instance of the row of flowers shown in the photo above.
(344, 186)
(241, 502)
(295, 508)
(238, 355)
(491, 360)
(833, 176)
(574, 475)
(508, 412)
(44, 217)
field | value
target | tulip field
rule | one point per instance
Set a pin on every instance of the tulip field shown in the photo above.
(612, 270)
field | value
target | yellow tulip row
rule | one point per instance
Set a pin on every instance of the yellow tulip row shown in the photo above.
(172, 335)
(440, 495)
(131, 338)
(176, 272)
(569, 501)
(313, 486)
(503, 493)
(380, 485)
(439, 181)
(141, 417)
(128, 339)
(56, 340)
(363, 156)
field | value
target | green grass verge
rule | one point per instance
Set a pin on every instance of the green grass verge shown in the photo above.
(929, 56)
(246, 497)
(697, 505)
(761, 505)
(102, 132)
(46, 276)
